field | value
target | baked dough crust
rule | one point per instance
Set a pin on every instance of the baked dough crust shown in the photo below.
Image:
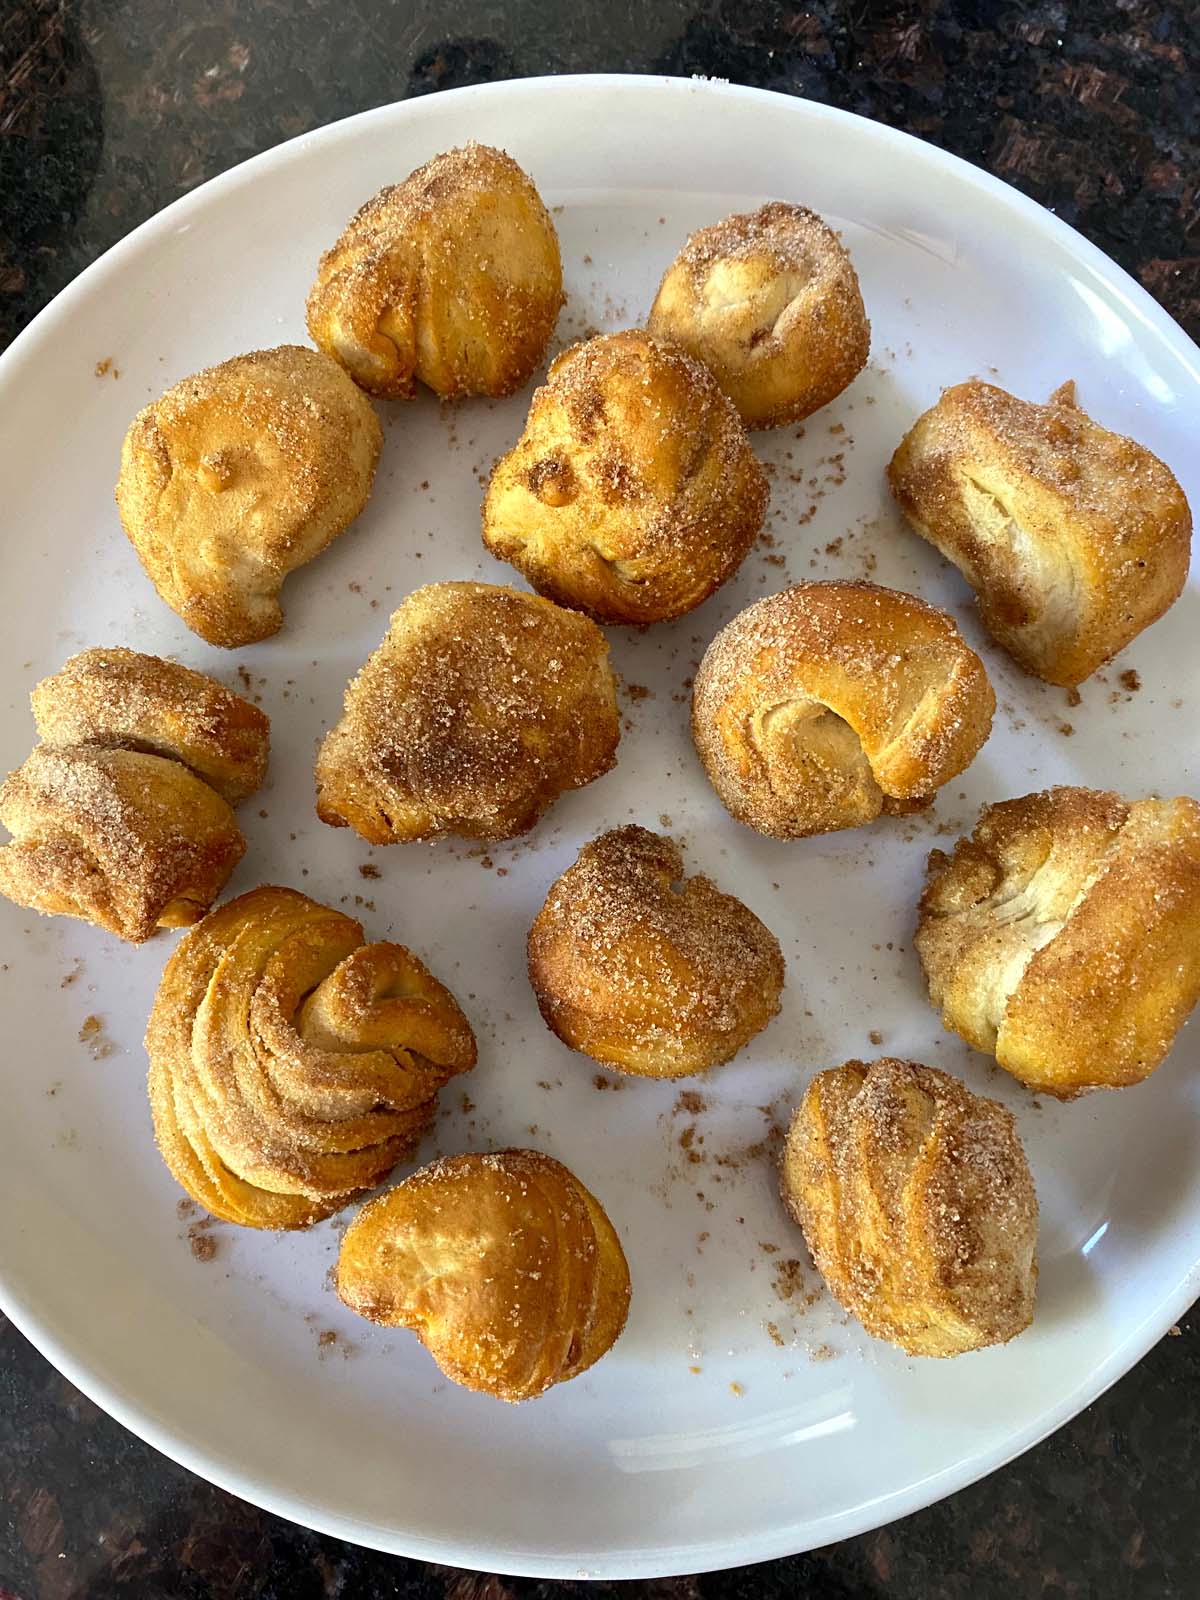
(291, 1065)
(917, 1203)
(1063, 936)
(648, 971)
(830, 703)
(769, 301)
(1073, 538)
(503, 1265)
(633, 492)
(452, 278)
(481, 706)
(239, 475)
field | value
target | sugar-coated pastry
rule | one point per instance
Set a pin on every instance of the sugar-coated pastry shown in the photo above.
(1073, 538)
(917, 1203)
(633, 493)
(481, 706)
(648, 971)
(292, 1065)
(131, 842)
(503, 1265)
(769, 301)
(118, 697)
(452, 277)
(828, 704)
(1063, 936)
(240, 474)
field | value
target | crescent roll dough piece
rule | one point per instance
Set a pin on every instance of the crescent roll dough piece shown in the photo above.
(503, 1265)
(769, 301)
(917, 1203)
(137, 702)
(1073, 538)
(128, 841)
(1063, 936)
(292, 1065)
(648, 971)
(452, 277)
(828, 704)
(481, 706)
(239, 475)
(633, 493)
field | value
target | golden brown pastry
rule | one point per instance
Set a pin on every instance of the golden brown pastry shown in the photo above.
(452, 277)
(1073, 538)
(240, 474)
(128, 841)
(917, 1203)
(481, 706)
(1063, 936)
(292, 1065)
(633, 493)
(503, 1265)
(118, 697)
(831, 703)
(648, 971)
(769, 301)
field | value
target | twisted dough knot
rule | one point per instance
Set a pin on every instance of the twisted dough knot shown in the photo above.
(832, 703)
(291, 1065)
(504, 1265)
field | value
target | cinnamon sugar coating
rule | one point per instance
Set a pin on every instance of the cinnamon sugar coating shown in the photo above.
(648, 971)
(452, 278)
(240, 474)
(769, 301)
(504, 1266)
(633, 492)
(1073, 538)
(291, 1064)
(481, 706)
(917, 1204)
(1063, 936)
(829, 704)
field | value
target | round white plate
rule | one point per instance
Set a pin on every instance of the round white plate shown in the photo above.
(741, 1415)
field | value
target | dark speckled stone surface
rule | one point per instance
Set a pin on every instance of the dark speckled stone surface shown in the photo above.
(111, 108)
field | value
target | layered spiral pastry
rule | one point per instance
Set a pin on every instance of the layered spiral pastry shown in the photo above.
(240, 474)
(830, 704)
(504, 1266)
(451, 278)
(917, 1204)
(291, 1064)
(121, 816)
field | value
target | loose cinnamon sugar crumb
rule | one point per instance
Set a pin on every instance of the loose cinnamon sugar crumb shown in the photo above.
(875, 1036)
(736, 1389)
(368, 869)
(1130, 680)
(690, 1102)
(92, 1034)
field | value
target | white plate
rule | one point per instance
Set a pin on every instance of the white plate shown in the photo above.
(699, 1441)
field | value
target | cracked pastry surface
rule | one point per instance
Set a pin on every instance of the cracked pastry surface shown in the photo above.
(633, 492)
(451, 278)
(769, 300)
(240, 474)
(291, 1064)
(646, 970)
(1062, 936)
(481, 706)
(829, 704)
(505, 1267)
(1074, 539)
(917, 1203)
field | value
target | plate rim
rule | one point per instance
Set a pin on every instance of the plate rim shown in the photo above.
(663, 1560)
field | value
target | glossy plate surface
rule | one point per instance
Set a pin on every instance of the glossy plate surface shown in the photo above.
(740, 1416)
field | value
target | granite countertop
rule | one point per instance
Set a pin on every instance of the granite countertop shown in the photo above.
(111, 108)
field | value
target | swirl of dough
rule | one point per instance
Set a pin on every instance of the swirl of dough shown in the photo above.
(633, 492)
(503, 1265)
(452, 277)
(917, 1203)
(828, 704)
(292, 1066)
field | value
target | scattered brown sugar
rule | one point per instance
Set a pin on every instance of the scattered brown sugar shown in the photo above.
(1130, 681)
